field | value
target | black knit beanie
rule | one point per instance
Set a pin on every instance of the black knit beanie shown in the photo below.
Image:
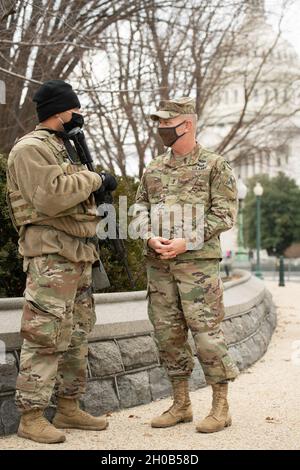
(54, 96)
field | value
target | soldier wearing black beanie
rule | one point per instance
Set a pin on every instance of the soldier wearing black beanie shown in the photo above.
(52, 206)
(54, 96)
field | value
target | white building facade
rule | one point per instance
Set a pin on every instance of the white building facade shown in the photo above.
(273, 143)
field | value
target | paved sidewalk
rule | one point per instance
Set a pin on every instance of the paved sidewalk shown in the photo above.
(264, 403)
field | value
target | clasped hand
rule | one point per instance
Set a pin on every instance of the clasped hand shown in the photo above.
(168, 249)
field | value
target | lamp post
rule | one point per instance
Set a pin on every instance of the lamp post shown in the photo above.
(258, 191)
(241, 254)
(281, 271)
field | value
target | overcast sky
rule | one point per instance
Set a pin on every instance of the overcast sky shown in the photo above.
(291, 24)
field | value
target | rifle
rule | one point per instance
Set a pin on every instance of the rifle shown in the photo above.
(102, 196)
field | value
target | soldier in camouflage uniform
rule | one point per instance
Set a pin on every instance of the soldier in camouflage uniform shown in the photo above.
(53, 208)
(185, 291)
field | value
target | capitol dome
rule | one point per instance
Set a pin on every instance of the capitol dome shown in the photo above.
(260, 84)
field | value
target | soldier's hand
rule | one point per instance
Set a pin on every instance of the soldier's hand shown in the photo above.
(158, 244)
(109, 182)
(173, 248)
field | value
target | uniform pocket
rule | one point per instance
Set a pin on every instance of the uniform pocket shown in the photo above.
(213, 296)
(40, 327)
(46, 323)
(196, 191)
(213, 289)
(155, 189)
(40, 263)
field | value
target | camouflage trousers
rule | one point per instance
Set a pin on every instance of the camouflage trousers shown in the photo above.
(58, 314)
(188, 295)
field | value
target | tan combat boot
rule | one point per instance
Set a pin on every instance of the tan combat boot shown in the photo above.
(35, 426)
(219, 417)
(180, 411)
(70, 416)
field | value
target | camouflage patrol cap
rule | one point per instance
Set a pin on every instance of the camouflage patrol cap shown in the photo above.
(171, 108)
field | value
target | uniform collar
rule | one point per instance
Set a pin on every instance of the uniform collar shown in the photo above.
(44, 128)
(45, 131)
(176, 161)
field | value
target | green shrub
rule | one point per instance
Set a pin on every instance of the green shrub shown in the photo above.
(12, 278)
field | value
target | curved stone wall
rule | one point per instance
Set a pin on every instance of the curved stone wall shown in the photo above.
(123, 365)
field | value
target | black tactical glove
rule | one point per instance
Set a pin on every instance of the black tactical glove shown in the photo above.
(109, 182)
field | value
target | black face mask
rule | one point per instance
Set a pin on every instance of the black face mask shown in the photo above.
(76, 121)
(169, 135)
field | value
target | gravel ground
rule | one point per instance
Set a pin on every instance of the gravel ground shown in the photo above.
(264, 404)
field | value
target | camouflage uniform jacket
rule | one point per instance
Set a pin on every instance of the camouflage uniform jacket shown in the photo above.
(50, 200)
(202, 177)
